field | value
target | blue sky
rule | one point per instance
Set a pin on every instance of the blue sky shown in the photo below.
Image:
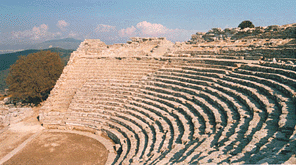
(31, 21)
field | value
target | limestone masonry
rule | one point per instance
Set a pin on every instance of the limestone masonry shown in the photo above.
(223, 97)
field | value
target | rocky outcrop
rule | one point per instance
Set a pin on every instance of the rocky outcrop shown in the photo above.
(252, 34)
(259, 42)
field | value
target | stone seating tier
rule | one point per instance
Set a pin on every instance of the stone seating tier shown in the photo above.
(172, 109)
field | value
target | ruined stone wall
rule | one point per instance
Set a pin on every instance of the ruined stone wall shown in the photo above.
(9, 114)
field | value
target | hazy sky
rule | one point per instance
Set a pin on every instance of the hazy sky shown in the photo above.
(31, 21)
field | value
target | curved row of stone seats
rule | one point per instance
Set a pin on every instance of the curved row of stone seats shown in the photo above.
(173, 128)
(187, 112)
(122, 143)
(127, 146)
(234, 119)
(97, 91)
(279, 86)
(265, 99)
(280, 94)
(163, 134)
(286, 120)
(132, 132)
(163, 94)
(282, 76)
(119, 140)
(200, 124)
(256, 67)
(161, 105)
(178, 105)
(73, 78)
(200, 65)
(280, 151)
(268, 91)
(277, 77)
(180, 78)
(99, 101)
(165, 159)
(205, 63)
(278, 65)
(188, 134)
(157, 135)
(163, 89)
(173, 82)
(220, 57)
(168, 136)
(138, 144)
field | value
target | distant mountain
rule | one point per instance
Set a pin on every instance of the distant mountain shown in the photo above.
(10, 58)
(67, 43)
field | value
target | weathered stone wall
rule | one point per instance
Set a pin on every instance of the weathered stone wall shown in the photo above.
(9, 114)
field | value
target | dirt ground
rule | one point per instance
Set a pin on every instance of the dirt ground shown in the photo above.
(54, 148)
(14, 135)
(49, 148)
(10, 140)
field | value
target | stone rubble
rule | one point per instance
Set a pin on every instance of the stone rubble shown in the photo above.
(9, 114)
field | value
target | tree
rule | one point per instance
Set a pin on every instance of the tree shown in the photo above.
(246, 24)
(32, 77)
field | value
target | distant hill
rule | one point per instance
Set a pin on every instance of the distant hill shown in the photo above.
(67, 43)
(8, 59)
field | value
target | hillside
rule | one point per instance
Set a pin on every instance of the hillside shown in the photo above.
(8, 59)
(67, 43)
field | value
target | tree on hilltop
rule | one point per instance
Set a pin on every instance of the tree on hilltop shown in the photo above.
(32, 77)
(246, 24)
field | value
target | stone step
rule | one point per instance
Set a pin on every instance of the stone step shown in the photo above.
(284, 72)
(278, 65)
(280, 78)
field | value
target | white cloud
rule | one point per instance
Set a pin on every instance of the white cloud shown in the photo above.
(151, 29)
(147, 29)
(62, 25)
(36, 33)
(128, 32)
(101, 28)
(73, 34)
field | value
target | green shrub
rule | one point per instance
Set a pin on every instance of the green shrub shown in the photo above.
(246, 24)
